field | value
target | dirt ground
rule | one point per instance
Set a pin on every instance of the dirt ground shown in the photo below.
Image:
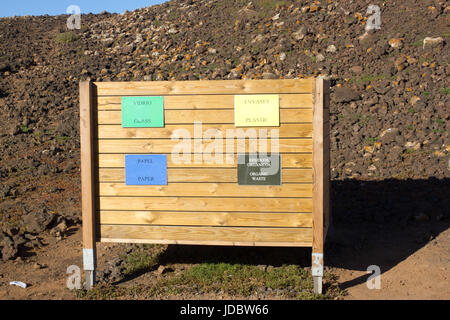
(424, 274)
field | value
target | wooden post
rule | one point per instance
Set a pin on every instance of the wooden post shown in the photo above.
(87, 182)
(319, 177)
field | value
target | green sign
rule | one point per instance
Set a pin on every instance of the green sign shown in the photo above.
(142, 112)
(259, 169)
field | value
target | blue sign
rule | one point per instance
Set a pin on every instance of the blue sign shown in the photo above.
(148, 169)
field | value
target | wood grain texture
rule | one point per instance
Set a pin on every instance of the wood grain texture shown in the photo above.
(184, 218)
(208, 102)
(212, 242)
(326, 166)
(206, 204)
(211, 175)
(144, 88)
(302, 130)
(109, 160)
(205, 189)
(87, 164)
(320, 152)
(200, 235)
(317, 207)
(202, 204)
(207, 116)
(189, 146)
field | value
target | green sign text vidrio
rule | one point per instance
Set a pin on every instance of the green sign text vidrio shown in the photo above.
(142, 112)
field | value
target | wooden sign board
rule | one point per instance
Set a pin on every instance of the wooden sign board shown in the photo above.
(202, 201)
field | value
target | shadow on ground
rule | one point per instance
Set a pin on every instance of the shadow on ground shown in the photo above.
(374, 222)
(384, 222)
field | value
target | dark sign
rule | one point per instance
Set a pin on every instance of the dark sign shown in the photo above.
(258, 169)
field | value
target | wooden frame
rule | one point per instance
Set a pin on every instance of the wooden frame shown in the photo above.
(321, 178)
(202, 204)
(87, 144)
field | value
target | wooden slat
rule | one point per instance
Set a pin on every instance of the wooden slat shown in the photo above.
(204, 87)
(87, 163)
(207, 116)
(195, 102)
(206, 204)
(211, 175)
(169, 146)
(229, 219)
(230, 160)
(302, 130)
(211, 242)
(206, 189)
(207, 235)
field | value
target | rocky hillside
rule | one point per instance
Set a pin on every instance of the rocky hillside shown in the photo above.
(390, 89)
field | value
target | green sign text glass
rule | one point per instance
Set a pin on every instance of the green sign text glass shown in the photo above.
(142, 112)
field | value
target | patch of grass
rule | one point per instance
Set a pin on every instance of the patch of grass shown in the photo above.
(422, 60)
(66, 37)
(287, 281)
(139, 261)
(418, 43)
(426, 93)
(364, 119)
(107, 292)
(446, 90)
(244, 280)
(440, 121)
(411, 110)
(371, 140)
(410, 127)
(209, 67)
(157, 23)
(234, 279)
(62, 139)
(24, 129)
(371, 78)
(174, 14)
(271, 4)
